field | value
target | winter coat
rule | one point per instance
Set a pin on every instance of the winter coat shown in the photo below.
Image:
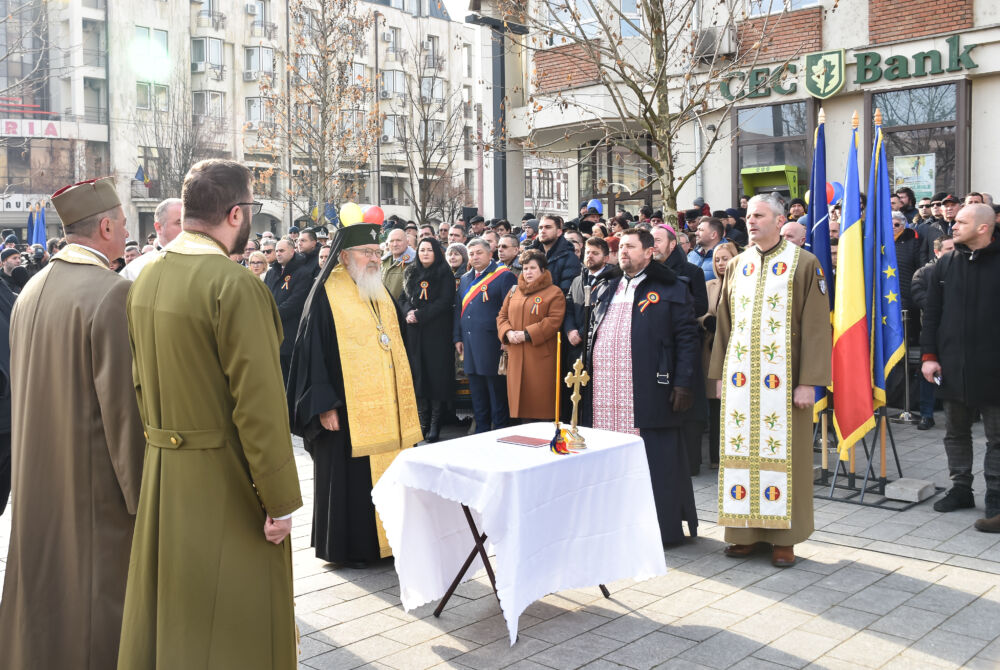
(289, 285)
(693, 276)
(961, 322)
(564, 264)
(920, 284)
(537, 308)
(703, 259)
(909, 257)
(428, 341)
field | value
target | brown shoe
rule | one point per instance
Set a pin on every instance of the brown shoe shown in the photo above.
(990, 524)
(739, 550)
(782, 557)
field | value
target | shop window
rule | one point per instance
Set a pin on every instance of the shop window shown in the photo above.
(773, 135)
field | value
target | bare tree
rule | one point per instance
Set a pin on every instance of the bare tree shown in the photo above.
(432, 133)
(323, 111)
(658, 68)
(175, 129)
(447, 201)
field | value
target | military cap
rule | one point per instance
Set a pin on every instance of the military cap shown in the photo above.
(76, 202)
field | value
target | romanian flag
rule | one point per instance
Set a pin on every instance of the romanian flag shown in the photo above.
(140, 175)
(853, 414)
(885, 314)
(818, 233)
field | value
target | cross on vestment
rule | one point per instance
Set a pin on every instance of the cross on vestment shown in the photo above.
(577, 378)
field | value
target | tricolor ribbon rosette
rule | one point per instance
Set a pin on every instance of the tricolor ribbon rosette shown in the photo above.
(423, 290)
(538, 301)
(651, 299)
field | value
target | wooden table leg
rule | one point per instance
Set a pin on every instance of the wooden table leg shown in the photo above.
(479, 548)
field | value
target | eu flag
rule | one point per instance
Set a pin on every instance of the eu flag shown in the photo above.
(38, 235)
(31, 225)
(885, 316)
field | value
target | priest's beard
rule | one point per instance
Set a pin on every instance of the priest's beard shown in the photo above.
(367, 277)
(242, 237)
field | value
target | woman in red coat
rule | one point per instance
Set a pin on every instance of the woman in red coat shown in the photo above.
(531, 315)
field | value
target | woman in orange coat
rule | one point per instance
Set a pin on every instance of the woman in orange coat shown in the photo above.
(531, 315)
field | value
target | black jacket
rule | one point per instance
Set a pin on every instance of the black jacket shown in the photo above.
(909, 257)
(311, 260)
(575, 318)
(665, 344)
(961, 322)
(920, 284)
(929, 230)
(564, 264)
(289, 285)
(693, 276)
(429, 341)
(16, 280)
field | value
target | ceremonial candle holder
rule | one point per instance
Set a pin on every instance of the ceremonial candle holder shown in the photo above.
(575, 380)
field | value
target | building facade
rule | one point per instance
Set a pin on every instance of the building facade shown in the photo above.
(933, 69)
(141, 90)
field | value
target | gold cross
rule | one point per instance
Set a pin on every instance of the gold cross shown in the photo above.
(574, 380)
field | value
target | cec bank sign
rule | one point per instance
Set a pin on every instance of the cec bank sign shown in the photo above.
(825, 72)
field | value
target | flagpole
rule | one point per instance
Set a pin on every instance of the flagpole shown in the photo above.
(824, 456)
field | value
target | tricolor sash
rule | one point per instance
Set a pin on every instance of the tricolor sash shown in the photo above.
(755, 469)
(481, 286)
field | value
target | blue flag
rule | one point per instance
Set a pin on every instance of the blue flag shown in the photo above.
(818, 231)
(39, 236)
(31, 226)
(885, 316)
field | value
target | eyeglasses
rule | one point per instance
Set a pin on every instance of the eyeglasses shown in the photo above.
(267, 251)
(923, 205)
(935, 204)
(255, 207)
(257, 263)
(369, 253)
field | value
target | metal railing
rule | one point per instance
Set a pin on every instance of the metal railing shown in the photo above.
(264, 29)
(216, 19)
(97, 115)
(94, 57)
(95, 4)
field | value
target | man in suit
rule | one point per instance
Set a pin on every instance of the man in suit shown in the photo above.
(481, 292)
(289, 279)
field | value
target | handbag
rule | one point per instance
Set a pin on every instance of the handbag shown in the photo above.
(502, 368)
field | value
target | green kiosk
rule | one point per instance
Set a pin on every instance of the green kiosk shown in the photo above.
(781, 179)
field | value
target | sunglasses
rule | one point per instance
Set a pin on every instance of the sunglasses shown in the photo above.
(923, 205)
(935, 204)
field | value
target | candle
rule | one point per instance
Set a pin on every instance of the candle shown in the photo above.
(558, 381)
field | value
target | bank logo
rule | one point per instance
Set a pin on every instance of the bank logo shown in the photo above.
(825, 73)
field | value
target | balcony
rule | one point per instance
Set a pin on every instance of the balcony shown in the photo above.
(433, 63)
(95, 4)
(264, 29)
(141, 192)
(207, 18)
(94, 58)
(98, 115)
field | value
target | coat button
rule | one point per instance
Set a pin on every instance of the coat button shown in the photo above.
(173, 441)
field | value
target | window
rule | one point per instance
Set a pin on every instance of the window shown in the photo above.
(467, 102)
(580, 20)
(546, 183)
(206, 50)
(207, 103)
(161, 97)
(394, 81)
(258, 59)
(143, 98)
(631, 19)
(433, 47)
(413, 7)
(437, 130)
(761, 7)
(528, 191)
(431, 88)
(467, 59)
(258, 110)
(396, 4)
(467, 142)
(774, 135)
(395, 45)
(923, 127)
(160, 41)
(470, 183)
(393, 127)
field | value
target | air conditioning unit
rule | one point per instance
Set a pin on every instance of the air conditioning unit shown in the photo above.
(251, 8)
(426, 45)
(198, 67)
(251, 125)
(713, 42)
(386, 139)
(251, 76)
(387, 36)
(424, 99)
(384, 94)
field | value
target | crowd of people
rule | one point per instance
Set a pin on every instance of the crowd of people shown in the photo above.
(718, 324)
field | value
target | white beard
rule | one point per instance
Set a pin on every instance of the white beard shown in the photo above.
(369, 282)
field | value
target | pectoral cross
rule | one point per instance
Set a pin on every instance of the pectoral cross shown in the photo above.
(574, 380)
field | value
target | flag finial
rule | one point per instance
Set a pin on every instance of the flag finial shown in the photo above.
(878, 117)
(822, 115)
(855, 122)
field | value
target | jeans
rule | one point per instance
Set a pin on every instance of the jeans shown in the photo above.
(926, 398)
(958, 447)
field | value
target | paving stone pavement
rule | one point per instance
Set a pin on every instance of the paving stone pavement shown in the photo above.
(872, 589)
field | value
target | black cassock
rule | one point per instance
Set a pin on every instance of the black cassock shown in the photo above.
(343, 513)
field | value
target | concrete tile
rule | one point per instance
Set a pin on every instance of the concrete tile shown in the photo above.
(877, 599)
(350, 632)
(939, 645)
(359, 607)
(704, 623)
(685, 602)
(563, 627)
(770, 623)
(427, 654)
(491, 629)
(309, 647)
(576, 652)
(908, 622)
(795, 649)
(980, 619)
(815, 599)
(501, 654)
(898, 581)
(789, 581)
(749, 601)
(850, 579)
(839, 623)
(632, 626)
(649, 651)
(356, 655)
(869, 649)
(722, 650)
(937, 598)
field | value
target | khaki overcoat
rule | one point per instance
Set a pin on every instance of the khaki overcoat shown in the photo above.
(206, 591)
(531, 366)
(77, 458)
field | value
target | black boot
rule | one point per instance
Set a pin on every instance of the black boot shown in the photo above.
(435, 429)
(423, 413)
(958, 497)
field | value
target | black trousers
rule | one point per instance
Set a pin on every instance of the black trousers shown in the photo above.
(673, 493)
(489, 401)
(958, 447)
(4, 470)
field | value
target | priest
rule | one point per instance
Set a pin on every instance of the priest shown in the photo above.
(773, 342)
(643, 350)
(210, 577)
(350, 395)
(77, 447)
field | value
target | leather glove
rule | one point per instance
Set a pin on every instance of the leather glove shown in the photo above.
(709, 323)
(682, 399)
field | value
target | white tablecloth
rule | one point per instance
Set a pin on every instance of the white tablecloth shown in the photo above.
(554, 522)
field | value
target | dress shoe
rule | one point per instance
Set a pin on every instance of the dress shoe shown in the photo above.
(989, 524)
(782, 557)
(926, 423)
(957, 497)
(739, 550)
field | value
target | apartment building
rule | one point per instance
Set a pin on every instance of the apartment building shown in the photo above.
(139, 89)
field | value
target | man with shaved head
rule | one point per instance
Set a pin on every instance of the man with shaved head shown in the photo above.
(167, 223)
(960, 356)
(794, 232)
(397, 257)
